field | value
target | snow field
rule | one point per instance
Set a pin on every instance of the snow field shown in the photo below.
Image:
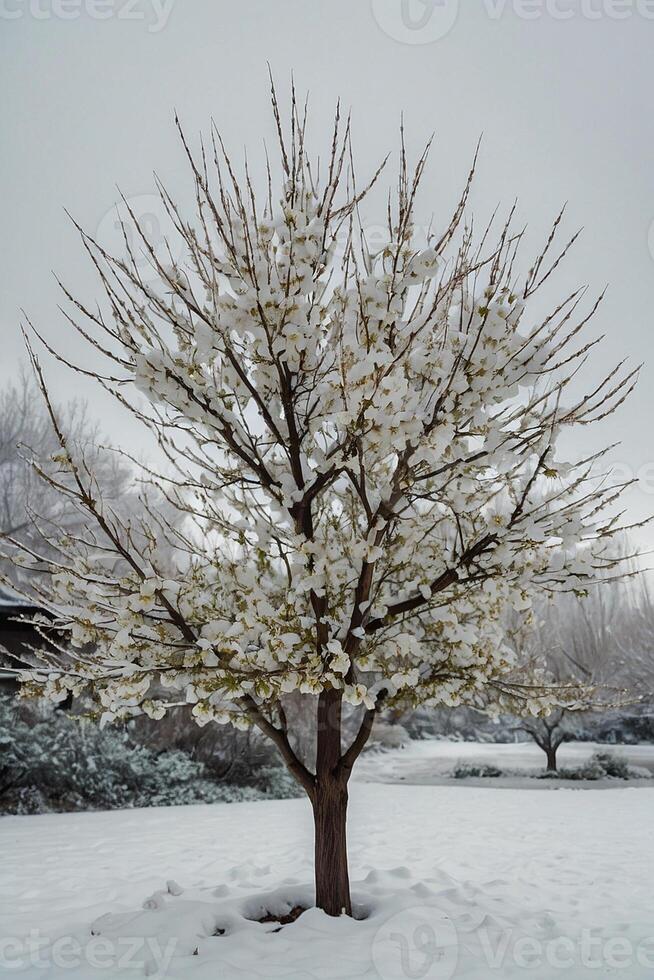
(451, 882)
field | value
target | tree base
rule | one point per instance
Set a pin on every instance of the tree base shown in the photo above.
(331, 871)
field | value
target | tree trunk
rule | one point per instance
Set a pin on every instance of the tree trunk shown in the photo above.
(329, 801)
(550, 752)
(327, 790)
(331, 871)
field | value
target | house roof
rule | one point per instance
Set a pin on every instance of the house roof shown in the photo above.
(16, 626)
(12, 604)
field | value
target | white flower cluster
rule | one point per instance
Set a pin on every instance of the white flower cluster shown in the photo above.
(367, 450)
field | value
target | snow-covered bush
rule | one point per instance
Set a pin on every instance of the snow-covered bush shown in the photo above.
(241, 758)
(385, 736)
(589, 770)
(460, 724)
(603, 765)
(463, 770)
(629, 727)
(276, 782)
(62, 763)
(613, 765)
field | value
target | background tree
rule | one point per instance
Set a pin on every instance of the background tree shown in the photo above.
(548, 733)
(586, 646)
(30, 507)
(360, 449)
(632, 633)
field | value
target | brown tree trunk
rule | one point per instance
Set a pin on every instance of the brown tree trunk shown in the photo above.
(331, 870)
(550, 752)
(329, 801)
(327, 790)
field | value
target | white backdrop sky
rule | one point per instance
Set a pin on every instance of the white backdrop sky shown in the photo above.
(561, 90)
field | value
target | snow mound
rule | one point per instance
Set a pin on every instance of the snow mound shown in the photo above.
(398, 924)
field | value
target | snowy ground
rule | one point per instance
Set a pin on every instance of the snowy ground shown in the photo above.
(455, 881)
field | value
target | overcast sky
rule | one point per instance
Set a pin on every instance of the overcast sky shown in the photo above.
(562, 91)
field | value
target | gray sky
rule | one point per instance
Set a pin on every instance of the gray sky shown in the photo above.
(562, 91)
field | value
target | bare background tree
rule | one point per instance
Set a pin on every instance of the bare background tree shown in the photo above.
(30, 508)
(600, 645)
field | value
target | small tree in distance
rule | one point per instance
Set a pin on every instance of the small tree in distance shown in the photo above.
(549, 734)
(563, 723)
(361, 452)
(576, 646)
(550, 730)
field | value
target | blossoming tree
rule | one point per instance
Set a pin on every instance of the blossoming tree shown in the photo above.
(360, 449)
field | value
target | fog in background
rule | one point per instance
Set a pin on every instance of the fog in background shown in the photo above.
(561, 92)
